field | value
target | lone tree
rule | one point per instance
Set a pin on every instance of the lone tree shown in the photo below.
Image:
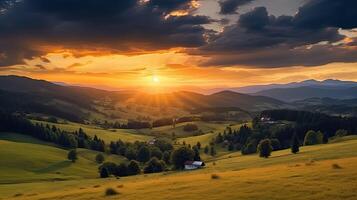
(295, 144)
(154, 165)
(99, 158)
(265, 148)
(312, 138)
(180, 156)
(103, 172)
(72, 155)
(143, 154)
(133, 168)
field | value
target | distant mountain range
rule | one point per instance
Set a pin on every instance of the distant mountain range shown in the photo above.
(329, 83)
(75, 103)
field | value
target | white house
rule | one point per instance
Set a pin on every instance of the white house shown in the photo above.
(190, 165)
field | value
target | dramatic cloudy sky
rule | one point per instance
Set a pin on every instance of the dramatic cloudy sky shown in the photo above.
(179, 43)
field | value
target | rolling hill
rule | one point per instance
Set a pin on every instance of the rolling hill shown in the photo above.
(306, 92)
(323, 171)
(79, 104)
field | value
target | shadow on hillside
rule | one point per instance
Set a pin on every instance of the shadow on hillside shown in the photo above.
(55, 167)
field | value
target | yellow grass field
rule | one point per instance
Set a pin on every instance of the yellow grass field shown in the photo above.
(326, 172)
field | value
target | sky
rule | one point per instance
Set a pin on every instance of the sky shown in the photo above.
(178, 44)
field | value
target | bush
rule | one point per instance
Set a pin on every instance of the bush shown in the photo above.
(133, 168)
(111, 192)
(72, 155)
(154, 165)
(295, 144)
(341, 133)
(180, 156)
(130, 154)
(265, 148)
(143, 154)
(312, 138)
(109, 166)
(156, 152)
(103, 173)
(250, 148)
(275, 143)
(99, 158)
(121, 170)
(215, 176)
(190, 127)
(166, 157)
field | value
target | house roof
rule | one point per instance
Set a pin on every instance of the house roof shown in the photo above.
(196, 163)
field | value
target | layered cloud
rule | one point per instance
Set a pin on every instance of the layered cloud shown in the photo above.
(311, 37)
(31, 28)
(231, 6)
(34, 28)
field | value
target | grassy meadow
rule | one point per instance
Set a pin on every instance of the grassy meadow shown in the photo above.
(317, 172)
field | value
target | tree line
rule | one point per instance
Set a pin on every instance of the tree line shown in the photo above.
(66, 139)
(284, 129)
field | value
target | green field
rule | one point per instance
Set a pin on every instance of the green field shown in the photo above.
(126, 135)
(25, 159)
(317, 172)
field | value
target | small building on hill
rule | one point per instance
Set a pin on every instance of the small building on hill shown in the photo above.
(191, 165)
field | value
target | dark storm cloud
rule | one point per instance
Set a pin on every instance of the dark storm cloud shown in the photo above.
(328, 13)
(31, 27)
(231, 6)
(260, 39)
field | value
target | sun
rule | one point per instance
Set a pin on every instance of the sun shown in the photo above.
(155, 79)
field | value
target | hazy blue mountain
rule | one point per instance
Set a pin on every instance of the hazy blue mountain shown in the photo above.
(329, 83)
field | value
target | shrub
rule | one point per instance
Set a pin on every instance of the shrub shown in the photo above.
(180, 156)
(133, 168)
(156, 152)
(121, 170)
(312, 138)
(275, 143)
(295, 144)
(341, 133)
(250, 148)
(130, 154)
(111, 192)
(166, 157)
(109, 166)
(154, 165)
(265, 148)
(103, 173)
(215, 176)
(190, 127)
(72, 155)
(143, 154)
(212, 151)
(206, 150)
(99, 158)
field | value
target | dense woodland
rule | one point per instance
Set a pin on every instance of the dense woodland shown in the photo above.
(283, 128)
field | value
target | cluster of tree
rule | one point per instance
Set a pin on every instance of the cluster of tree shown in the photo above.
(285, 129)
(142, 151)
(306, 121)
(177, 159)
(121, 170)
(18, 124)
(190, 127)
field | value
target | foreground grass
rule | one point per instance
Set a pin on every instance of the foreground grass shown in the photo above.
(317, 172)
(25, 159)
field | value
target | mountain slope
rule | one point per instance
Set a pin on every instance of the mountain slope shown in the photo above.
(328, 84)
(300, 93)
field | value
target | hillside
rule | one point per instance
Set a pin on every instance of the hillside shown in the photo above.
(80, 104)
(328, 83)
(301, 93)
(322, 170)
(25, 159)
